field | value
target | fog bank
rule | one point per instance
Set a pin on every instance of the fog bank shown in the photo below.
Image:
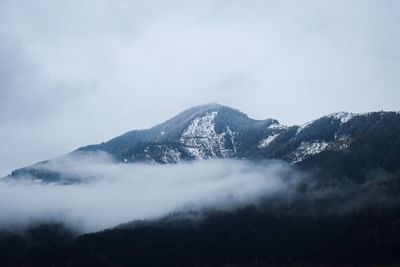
(111, 193)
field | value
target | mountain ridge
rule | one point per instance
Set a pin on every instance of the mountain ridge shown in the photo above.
(215, 131)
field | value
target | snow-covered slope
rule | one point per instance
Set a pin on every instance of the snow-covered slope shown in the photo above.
(202, 141)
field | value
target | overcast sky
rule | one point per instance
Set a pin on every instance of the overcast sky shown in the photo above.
(79, 72)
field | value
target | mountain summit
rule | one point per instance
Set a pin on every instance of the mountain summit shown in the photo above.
(201, 132)
(342, 143)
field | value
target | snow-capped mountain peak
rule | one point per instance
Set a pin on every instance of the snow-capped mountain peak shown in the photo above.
(216, 131)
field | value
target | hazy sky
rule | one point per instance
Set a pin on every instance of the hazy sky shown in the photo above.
(79, 72)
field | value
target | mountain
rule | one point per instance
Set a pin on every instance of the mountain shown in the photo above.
(341, 144)
(202, 132)
(344, 213)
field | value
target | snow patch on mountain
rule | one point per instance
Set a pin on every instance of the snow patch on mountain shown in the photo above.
(342, 116)
(277, 126)
(171, 155)
(201, 127)
(303, 126)
(265, 142)
(307, 149)
(202, 141)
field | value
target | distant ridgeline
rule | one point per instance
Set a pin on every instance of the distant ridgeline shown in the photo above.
(341, 145)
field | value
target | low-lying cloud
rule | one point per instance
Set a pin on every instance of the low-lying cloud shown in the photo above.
(111, 193)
